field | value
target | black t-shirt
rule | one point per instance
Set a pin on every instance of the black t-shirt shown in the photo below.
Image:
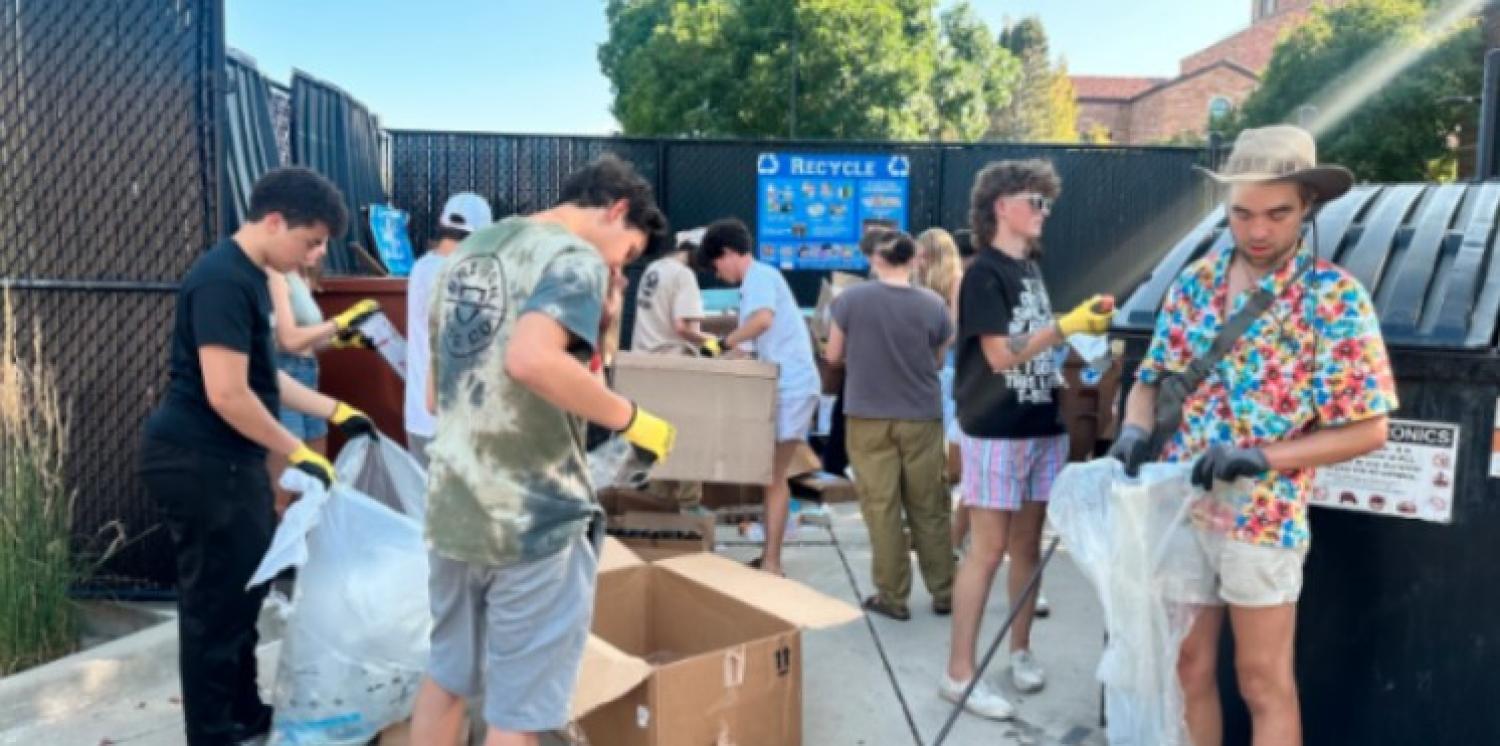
(225, 301)
(1004, 296)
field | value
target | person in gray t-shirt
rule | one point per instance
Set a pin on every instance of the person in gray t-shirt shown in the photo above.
(890, 335)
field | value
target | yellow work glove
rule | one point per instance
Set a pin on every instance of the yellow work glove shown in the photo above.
(351, 340)
(355, 315)
(1090, 317)
(352, 422)
(712, 347)
(308, 461)
(652, 436)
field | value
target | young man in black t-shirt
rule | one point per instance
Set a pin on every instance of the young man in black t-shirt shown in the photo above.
(1006, 389)
(203, 457)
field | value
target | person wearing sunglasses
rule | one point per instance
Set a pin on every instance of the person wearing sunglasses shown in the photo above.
(1007, 390)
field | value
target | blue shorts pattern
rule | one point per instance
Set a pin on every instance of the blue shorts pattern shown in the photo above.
(304, 370)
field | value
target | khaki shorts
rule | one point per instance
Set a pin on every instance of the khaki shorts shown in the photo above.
(1214, 571)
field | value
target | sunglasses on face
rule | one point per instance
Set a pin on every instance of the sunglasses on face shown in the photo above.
(1037, 201)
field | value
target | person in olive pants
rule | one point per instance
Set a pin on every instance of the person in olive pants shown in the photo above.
(891, 335)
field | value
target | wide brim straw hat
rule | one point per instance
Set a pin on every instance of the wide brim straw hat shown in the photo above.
(1282, 152)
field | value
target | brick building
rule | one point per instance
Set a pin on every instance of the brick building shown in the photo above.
(1139, 111)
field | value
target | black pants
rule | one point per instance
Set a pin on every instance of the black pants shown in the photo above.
(221, 516)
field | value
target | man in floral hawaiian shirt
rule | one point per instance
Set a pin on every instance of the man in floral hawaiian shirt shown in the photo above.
(1308, 384)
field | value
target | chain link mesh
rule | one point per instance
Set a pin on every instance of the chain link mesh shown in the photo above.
(108, 191)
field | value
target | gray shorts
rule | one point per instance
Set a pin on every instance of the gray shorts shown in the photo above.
(514, 633)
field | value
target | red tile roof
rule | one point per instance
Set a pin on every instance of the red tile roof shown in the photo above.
(1111, 87)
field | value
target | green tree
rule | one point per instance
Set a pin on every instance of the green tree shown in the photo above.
(1043, 107)
(727, 67)
(975, 75)
(1338, 75)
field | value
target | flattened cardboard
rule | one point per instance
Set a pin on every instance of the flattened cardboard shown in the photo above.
(724, 411)
(652, 548)
(790, 601)
(619, 501)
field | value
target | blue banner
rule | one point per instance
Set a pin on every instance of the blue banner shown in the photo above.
(388, 226)
(812, 208)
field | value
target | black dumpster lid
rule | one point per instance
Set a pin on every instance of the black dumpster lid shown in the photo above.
(1422, 250)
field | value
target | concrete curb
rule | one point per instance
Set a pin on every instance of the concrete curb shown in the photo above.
(82, 680)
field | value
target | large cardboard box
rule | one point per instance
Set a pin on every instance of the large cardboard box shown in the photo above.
(724, 411)
(697, 650)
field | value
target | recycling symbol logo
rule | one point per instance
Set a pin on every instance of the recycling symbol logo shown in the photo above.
(768, 164)
(899, 166)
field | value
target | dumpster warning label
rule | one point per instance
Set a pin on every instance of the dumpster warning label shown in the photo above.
(1411, 477)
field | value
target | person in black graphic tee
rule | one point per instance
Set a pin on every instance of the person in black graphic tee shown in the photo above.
(1013, 442)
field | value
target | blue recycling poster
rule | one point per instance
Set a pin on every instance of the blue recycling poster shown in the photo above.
(388, 226)
(812, 208)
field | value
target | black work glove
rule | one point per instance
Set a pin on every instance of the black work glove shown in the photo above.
(1131, 448)
(1226, 464)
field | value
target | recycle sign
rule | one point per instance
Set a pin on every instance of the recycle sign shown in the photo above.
(899, 166)
(768, 165)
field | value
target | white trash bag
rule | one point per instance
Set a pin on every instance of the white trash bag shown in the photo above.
(1133, 540)
(357, 633)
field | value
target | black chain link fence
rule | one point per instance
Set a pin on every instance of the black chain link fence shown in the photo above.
(1120, 211)
(108, 191)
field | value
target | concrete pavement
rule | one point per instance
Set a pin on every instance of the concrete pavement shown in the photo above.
(868, 683)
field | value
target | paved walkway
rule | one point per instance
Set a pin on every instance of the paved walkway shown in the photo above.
(869, 683)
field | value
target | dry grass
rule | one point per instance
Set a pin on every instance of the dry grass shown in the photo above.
(38, 621)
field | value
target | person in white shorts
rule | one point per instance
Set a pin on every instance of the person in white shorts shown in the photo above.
(769, 317)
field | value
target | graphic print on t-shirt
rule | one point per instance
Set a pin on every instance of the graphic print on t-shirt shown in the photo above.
(1034, 380)
(473, 306)
(649, 284)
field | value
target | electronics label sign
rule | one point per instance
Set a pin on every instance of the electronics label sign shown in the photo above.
(1411, 477)
(814, 207)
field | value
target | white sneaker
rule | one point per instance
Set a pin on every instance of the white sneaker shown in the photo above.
(984, 701)
(1043, 609)
(1026, 673)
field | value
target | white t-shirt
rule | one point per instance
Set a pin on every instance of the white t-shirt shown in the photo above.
(787, 343)
(668, 292)
(419, 287)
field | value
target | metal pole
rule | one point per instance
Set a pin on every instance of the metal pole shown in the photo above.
(1488, 109)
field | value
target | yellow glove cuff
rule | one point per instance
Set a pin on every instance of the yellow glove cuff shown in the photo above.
(651, 433)
(342, 412)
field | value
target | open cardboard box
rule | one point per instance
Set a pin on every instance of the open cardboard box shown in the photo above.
(724, 411)
(696, 650)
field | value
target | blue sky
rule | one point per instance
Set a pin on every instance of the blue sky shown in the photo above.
(532, 65)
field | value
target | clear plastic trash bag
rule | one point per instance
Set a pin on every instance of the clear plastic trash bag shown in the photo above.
(1134, 540)
(357, 631)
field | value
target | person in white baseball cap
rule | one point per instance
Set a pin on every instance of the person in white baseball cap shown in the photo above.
(463, 214)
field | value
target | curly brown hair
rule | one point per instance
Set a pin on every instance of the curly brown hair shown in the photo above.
(1001, 178)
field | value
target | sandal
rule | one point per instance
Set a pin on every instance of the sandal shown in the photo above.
(873, 603)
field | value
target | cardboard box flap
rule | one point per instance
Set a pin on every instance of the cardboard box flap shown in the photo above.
(722, 366)
(605, 675)
(616, 556)
(790, 601)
